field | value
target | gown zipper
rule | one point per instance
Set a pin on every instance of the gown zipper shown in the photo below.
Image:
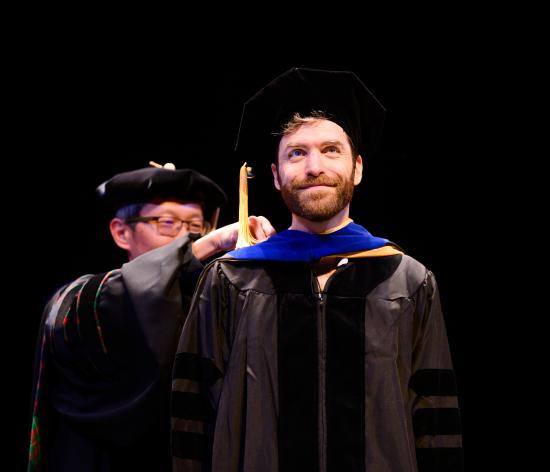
(321, 355)
(321, 296)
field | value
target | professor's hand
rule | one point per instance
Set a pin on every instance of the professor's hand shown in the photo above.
(225, 238)
(259, 226)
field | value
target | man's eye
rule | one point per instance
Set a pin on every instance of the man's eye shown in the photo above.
(332, 149)
(296, 153)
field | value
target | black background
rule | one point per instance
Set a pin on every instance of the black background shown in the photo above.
(83, 113)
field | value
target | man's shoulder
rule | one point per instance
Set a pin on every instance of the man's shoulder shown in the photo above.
(412, 274)
(413, 267)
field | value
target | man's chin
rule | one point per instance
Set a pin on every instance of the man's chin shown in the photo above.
(317, 218)
(316, 214)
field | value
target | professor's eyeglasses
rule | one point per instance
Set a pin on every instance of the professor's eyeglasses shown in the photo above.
(171, 225)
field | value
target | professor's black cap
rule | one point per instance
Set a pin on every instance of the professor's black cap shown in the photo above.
(153, 184)
(340, 95)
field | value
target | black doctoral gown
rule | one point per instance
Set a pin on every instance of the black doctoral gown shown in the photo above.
(273, 374)
(104, 365)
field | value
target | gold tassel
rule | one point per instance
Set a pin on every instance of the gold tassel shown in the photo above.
(245, 236)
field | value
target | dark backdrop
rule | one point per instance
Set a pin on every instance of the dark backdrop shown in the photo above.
(81, 118)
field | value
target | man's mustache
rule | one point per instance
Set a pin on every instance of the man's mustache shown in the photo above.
(321, 180)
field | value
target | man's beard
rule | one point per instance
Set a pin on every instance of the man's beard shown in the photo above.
(319, 204)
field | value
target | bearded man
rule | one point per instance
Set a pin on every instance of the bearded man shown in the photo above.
(323, 348)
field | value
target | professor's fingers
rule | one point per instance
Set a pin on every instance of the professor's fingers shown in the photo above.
(260, 227)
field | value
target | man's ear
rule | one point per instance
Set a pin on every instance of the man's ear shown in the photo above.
(275, 176)
(121, 233)
(358, 170)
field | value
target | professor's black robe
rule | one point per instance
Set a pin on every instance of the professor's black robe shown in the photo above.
(104, 362)
(273, 374)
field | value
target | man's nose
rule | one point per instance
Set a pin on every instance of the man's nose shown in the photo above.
(314, 163)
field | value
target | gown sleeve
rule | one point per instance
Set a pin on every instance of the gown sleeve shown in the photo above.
(435, 410)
